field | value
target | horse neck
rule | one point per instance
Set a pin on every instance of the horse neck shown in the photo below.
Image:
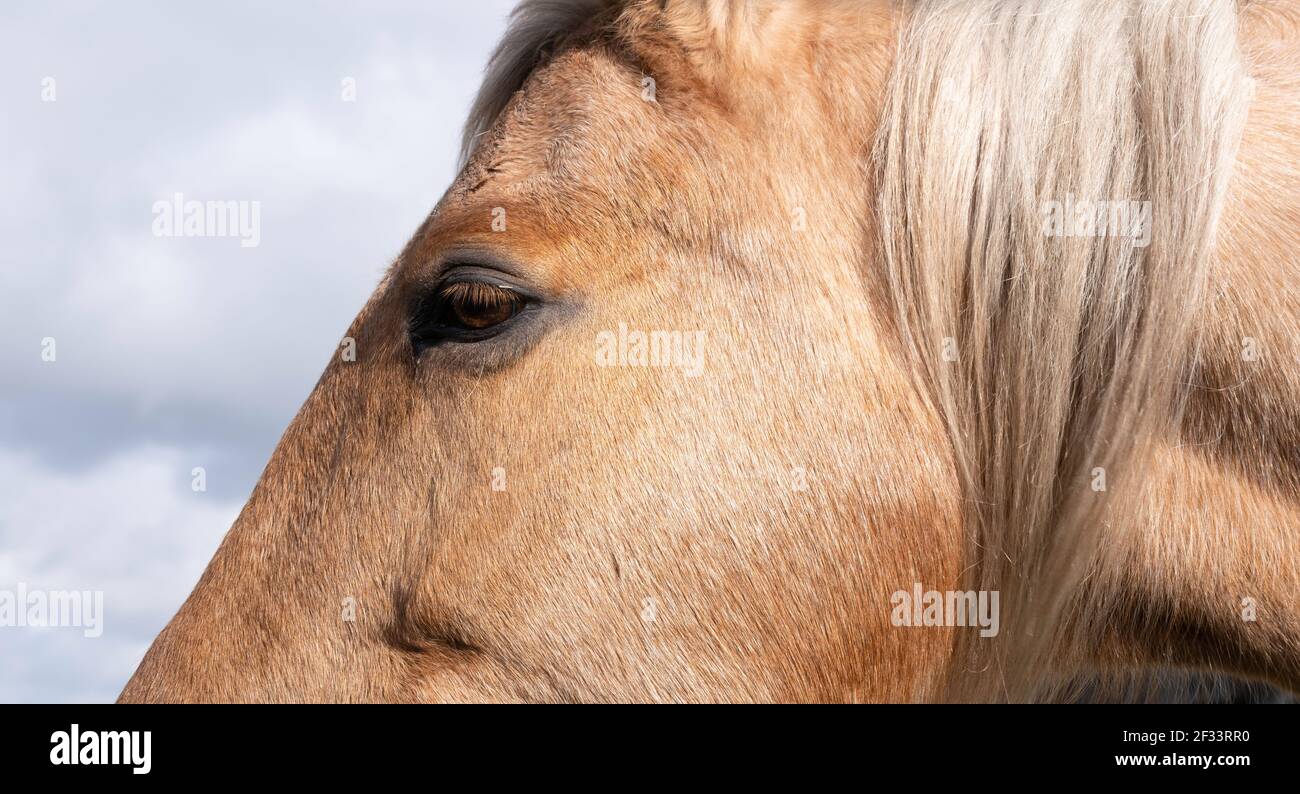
(1208, 577)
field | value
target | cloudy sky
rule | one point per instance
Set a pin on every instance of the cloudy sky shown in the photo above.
(172, 353)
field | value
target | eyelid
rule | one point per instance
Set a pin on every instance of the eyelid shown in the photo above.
(476, 259)
(459, 273)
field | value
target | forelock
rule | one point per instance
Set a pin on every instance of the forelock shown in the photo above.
(535, 27)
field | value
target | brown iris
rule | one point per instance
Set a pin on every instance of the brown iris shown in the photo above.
(476, 305)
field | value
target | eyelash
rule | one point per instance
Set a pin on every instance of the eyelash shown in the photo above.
(477, 294)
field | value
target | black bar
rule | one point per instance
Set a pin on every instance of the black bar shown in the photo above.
(918, 743)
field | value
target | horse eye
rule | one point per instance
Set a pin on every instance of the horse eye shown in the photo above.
(475, 305)
(465, 311)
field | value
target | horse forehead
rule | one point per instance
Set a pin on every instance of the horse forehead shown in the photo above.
(573, 118)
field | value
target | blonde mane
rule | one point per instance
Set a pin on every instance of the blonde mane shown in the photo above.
(1068, 353)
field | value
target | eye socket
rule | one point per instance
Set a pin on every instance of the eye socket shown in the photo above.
(465, 310)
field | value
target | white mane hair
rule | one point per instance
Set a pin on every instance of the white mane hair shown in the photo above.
(1072, 352)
